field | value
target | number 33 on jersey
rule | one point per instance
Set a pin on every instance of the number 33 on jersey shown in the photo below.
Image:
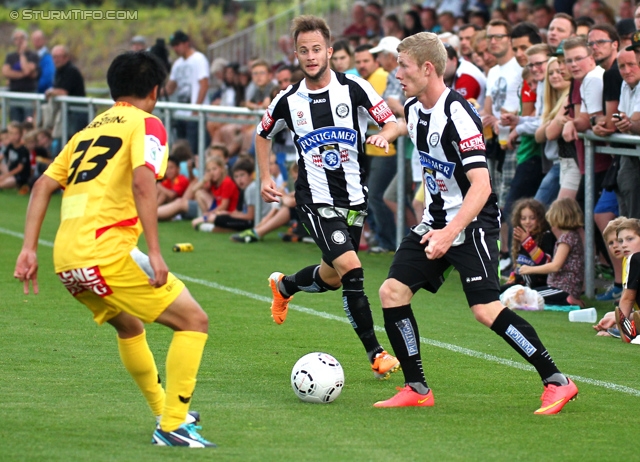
(98, 214)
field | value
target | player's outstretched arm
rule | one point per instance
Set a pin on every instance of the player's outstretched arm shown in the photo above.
(27, 263)
(387, 135)
(144, 194)
(268, 189)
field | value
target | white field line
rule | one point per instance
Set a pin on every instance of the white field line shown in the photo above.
(424, 340)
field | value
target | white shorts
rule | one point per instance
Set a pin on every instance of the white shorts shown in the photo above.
(569, 174)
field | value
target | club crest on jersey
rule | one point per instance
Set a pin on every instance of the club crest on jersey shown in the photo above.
(432, 186)
(342, 110)
(327, 135)
(473, 108)
(475, 143)
(434, 139)
(331, 158)
(338, 237)
(428, 162)
(305, 97)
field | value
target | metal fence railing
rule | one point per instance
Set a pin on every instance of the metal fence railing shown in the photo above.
(590, 148)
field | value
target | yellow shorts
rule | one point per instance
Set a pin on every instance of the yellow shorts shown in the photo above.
(123, 285)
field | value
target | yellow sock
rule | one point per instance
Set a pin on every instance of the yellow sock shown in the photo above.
(183, 362)
(138, 360)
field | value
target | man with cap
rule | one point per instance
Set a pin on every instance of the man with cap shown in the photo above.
(189, 79)
(383, 167)
(138, 43)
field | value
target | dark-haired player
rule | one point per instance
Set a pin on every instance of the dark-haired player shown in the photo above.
(109, 172)
(327, 114)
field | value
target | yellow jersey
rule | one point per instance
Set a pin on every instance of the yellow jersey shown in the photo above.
(98, 218)
(378, 80)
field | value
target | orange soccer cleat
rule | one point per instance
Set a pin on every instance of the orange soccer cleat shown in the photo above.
(407, 397)
(555, 397)
(280, 304)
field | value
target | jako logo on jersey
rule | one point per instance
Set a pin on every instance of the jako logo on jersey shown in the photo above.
(380, 112)
(319, 101)
(325, 135)
(303, 96)
(446, 168)
(267, 121)
(475, 143)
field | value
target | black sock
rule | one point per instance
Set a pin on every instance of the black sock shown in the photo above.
(403, 334)
(306, 280)
(523, 338)
(617, 285)
(356, 306)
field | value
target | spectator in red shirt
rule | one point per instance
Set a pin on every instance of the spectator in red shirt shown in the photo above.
(174, 184)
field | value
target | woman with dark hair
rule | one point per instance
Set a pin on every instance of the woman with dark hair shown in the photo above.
(411, 23)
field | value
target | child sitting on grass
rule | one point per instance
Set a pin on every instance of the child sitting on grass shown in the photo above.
(626, 320)
(174, 184)
(566, 269)
(236, 220)
(533, 243)
(606, 326)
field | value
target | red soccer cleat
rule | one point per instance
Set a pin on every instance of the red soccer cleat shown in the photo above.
(407, 397)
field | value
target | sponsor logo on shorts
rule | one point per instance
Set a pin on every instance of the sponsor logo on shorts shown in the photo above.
(520, 340)
(380, 112)
(408, 335)
(342, 110)
(475, 143)
(81, 279)
(338, 237)
(267, 121)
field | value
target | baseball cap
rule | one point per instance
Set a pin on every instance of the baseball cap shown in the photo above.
(177, 38)
(625, 27)
(139, 39)
(635, 42)
(388, 44)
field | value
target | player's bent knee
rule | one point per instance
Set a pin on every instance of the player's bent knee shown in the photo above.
(393, 293)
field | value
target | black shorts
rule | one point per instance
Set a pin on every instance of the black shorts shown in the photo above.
(476, 260)
(333, 235)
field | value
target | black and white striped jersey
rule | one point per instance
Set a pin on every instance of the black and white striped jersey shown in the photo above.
(450, 143)
(328, 127)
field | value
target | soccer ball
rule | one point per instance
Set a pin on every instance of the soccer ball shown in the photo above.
(317, 378)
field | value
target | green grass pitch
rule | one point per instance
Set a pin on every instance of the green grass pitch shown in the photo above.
(65, 396)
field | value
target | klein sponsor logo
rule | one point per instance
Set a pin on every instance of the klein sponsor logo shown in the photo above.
(267, 121)
(380, 112)
(81, 279)
(475, 143)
